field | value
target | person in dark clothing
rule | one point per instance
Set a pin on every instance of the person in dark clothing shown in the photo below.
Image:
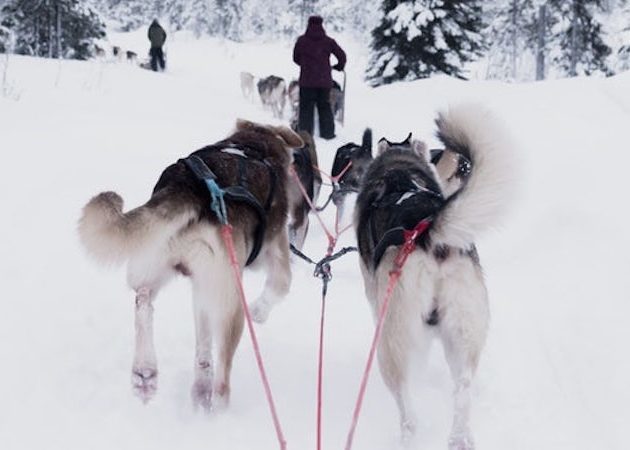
(312, 53)
(157, 36)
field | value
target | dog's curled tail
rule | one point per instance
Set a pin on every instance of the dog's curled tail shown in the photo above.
(488, 191)
(111, 236)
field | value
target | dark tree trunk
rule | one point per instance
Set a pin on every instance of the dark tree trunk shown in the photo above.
(540, 43)
(513, 38)
(574, 39)
(58, 31)
(49, 38)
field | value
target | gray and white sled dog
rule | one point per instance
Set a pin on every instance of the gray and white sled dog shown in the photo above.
(273, 93)
(176, 232)
(351, 162)
(441, 292)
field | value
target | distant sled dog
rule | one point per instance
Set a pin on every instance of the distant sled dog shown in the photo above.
(176, 232)
(441, 291)
(351, 162)
(273, 92)
(247, 85)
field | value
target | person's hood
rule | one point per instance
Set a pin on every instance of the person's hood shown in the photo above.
(315, 27)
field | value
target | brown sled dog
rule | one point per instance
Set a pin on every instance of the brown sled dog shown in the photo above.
(177, 232)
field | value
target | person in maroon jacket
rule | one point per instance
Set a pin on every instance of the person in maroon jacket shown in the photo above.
(312, 53)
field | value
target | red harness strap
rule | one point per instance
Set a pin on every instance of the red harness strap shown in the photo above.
(226, 233)
(394, 275)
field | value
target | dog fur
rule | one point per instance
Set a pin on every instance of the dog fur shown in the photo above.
(336, 100)
(441, 291)
(131, 56)
(175, 232)
(247, 86)
(293, 95)
(361, 157)
(273, 92)
(304, 163)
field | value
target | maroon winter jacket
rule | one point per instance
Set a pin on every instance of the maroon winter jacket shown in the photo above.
(312, 53)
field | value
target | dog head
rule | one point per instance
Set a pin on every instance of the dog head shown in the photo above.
(400, 188)
(353, 160)
(281, 136)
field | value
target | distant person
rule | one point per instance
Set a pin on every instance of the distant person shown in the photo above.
(312, 53)
(157, 36)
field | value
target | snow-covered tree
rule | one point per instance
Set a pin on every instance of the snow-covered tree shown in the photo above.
(617, 26)
(582, 49)
(53, 28)
(418, 38)
(241, 19)
(511, 32)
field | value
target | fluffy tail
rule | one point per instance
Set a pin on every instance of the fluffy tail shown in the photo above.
(111, 236)
(488, 191)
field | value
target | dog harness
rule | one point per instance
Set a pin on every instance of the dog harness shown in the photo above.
(404, 210)
(238, 193)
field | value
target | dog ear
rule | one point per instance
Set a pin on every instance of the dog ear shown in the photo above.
(382, 146)
(289, 136)
(420, 147)
(407, 140)
(366, 144)
(307, 138)
(243, 124)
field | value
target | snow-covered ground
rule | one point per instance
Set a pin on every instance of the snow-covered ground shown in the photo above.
(556, 370)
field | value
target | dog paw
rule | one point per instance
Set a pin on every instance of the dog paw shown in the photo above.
(144, 383)
(407, 432)
(461, 442)
(260, 310)
(202, 395)
(222, 397)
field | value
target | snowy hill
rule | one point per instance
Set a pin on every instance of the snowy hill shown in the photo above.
(555, 371)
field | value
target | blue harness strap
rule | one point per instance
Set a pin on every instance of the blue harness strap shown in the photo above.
(234, 193)
(203, 172)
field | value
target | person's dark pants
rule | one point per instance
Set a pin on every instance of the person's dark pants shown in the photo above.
(320, 97)
(157, 57)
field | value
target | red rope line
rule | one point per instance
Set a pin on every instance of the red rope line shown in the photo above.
(336, 178)
(331, 239)
(320, 373)
(332, 242)
(226, 233)
(401, 258)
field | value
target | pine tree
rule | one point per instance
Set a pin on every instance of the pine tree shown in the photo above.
(617, 27)
(511, 32)
(53, 28)
(418, 38)
(198, 17)
(579, 34)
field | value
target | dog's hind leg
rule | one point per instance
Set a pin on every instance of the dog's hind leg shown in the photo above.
(202, 265)
(146, 274)
(229, 320)
(298, 227)
(463, 326)
(144, 371)
(278, 277)
(202, 387)
(394, 353)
